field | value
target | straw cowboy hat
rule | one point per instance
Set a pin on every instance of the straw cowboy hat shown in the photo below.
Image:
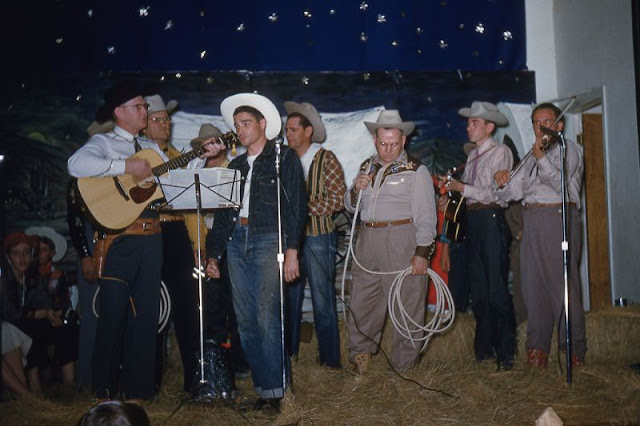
(259, 102)
(390, 119)
(207, 130)
(58, 240)
(309, 111)
(484, 110)
(157, 104)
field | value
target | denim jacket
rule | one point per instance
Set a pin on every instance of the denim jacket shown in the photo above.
(263, 212)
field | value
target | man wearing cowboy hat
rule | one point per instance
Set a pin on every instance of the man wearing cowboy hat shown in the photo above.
(398, 215)
(130, 281)
(487, 235)
(538, 184)
(326, 188)
(249, 236)
(179, 242)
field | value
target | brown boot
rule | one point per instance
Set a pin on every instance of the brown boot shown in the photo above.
(361, 362)
(537, 358)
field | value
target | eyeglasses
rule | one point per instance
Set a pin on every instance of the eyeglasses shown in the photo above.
(161, 119)
(139, 106)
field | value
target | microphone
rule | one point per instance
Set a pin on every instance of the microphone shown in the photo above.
(550, 132)
(278, 141)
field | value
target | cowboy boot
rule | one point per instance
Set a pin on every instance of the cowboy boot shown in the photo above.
(537, 358)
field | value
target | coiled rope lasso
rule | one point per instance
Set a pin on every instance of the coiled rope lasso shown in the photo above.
(165, 306)
(443, 313)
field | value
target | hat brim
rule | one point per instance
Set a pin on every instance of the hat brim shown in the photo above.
(407, 127)
(259, 102)
(58, 240)
(319, 132)
(497, 117)
(172, 105)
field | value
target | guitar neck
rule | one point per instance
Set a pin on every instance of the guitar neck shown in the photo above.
(177, 162)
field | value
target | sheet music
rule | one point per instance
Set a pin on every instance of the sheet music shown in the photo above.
(219, 188)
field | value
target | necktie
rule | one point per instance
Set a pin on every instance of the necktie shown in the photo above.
(136, 145)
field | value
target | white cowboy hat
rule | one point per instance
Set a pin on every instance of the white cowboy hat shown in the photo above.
(484, 110)
(259, 102)
(309, 111)
(58, 240)
(157, 104)
(390, 119)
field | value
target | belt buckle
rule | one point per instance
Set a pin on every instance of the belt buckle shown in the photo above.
(146, 226)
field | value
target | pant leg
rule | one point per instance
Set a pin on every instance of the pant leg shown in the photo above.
(367, 304)
(254, 274)
(319, 255)
(177, 270)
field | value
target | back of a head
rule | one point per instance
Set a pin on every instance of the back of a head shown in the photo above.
(115, 413)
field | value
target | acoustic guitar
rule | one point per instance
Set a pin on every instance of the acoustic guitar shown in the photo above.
(454, 213)
(115, 202)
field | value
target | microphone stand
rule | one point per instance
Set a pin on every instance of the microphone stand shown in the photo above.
(280, 259)
(565, 244)
(200, 273)
(565, 252)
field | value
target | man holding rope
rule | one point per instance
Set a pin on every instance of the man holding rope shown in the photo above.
(398, 214)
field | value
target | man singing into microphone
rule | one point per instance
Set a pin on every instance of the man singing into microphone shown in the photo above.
(249, 237)
(538, 184)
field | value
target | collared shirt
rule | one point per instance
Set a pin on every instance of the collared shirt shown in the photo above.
(105, 154)
(539, 181)
(400, 190)
(482, 164)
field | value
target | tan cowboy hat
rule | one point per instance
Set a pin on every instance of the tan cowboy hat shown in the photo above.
(58, 240)
(390, 119)
(259, 102)
(309, 111)
(485, 110)
(207, 130)
(95, 127)
(157, 104)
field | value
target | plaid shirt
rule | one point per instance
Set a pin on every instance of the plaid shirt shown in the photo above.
(326, 189)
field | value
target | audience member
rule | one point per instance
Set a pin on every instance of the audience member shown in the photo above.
(115, 413)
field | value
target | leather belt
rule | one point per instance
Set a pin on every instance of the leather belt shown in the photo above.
(244, 221)
(540, 205)
(141, 226)
(171, 218)
(480, 206)
(387, 224)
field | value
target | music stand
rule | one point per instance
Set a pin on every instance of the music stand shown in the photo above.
(201, 189)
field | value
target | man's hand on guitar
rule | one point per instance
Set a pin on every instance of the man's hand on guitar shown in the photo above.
(139, 168)
(501, 177)
(454, 185)
(212, 147)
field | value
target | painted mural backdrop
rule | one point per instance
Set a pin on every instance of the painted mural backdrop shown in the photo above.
(48, 119)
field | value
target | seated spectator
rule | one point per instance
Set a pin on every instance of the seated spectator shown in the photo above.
(117, 413)
(27, 305)
(15, 344)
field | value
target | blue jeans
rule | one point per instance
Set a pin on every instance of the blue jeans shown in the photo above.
(255, 288)
(318, 265)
